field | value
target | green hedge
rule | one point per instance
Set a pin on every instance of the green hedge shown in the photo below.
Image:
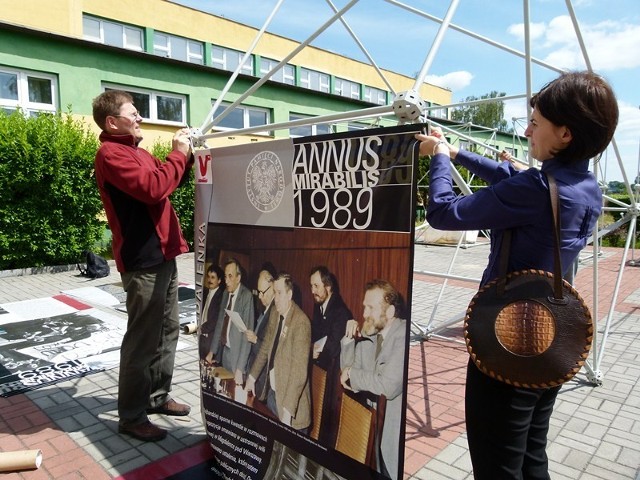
(618, 237)
(50, 208)
(183, 199)
(49, 203)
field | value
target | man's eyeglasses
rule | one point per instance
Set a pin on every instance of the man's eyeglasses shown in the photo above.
(134, 116)
(257, 292)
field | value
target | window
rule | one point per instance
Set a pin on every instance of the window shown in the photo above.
(438, 112)
(355, 126)
(31, 91)
(464, 145)
(512, 151)
(314, 80)
(375, 95)
(179, 48)
(228, 59)
(112, 33)
(242, 116)
(487, 152)
(308, 130)
(286, 74)
(158, 107)
(346, 88)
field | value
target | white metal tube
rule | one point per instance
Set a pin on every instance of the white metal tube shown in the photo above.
(474, 35)
(283, 62)
(364, 50)
(235, 74)
(527, 63)
(435, 46)
(351, 115)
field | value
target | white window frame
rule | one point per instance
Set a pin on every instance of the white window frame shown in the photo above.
(375, 95)
(314, 80)
(194, 53)
(223, 60)
(246, 115)
(355, 126)
(464, 145)
(153, 103)
(512, 151)
(128, 32)
(442, 112)
(314, 127)
(23, 92)
(346, 88)
(286, 74)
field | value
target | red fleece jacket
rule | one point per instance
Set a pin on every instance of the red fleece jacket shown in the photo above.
(135, 188)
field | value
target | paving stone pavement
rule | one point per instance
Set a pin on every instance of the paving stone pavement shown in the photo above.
(595, 430)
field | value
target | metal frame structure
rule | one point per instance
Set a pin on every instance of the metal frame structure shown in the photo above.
(409, 107)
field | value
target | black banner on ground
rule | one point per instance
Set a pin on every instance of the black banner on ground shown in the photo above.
(314, 239)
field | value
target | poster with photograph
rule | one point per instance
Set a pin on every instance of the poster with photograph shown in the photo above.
(304, 256)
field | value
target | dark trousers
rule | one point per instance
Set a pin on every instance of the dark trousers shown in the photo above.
(507, 428)
(271, 404)
(148, 348)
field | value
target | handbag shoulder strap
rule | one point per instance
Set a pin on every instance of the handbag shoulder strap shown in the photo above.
(557, 262)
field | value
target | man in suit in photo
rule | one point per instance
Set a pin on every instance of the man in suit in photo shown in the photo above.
(330, 316)
(285, 355)
(229, 346)
(372, 360)
(266, 295)
(211, 301)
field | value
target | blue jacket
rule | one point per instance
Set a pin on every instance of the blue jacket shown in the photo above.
(518, 200)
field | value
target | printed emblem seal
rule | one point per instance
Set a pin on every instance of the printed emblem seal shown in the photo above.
(264, 181)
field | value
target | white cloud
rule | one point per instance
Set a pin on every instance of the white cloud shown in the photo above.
(515, 113)
(627, 138)
(610, 45)
(452, 80)
(628, 131)
(536, 30)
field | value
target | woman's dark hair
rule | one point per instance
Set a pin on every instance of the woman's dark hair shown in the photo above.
(584, 103)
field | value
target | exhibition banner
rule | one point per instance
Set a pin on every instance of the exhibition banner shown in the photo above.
(304, 343)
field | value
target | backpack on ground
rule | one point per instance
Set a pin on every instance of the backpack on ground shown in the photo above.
(96, 266)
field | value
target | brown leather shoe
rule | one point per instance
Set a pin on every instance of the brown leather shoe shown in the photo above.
(147, 431)
(171, 408)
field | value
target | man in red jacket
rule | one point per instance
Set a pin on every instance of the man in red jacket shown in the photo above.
(146, 239)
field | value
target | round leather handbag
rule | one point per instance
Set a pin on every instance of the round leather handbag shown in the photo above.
(529, 328)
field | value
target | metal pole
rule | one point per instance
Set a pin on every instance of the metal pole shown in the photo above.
(351, 115)
(364, 50)
(475, 36)
(233, 77)
(283, 62)
(435, 46)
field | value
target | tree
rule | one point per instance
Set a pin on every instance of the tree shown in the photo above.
(615, 186)
(489, 114)
(49, 204)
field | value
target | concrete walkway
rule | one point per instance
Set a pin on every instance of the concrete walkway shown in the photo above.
(595, 431)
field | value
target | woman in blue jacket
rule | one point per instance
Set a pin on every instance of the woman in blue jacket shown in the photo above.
(573, 120)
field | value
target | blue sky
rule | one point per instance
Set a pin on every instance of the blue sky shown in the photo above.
(400, 40)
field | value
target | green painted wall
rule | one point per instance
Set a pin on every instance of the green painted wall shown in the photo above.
(82, 67)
